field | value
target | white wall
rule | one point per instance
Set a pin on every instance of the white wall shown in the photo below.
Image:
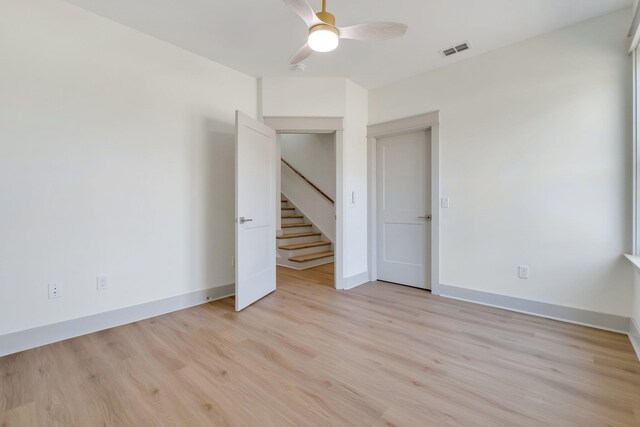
(314, 156)
(302, 97)
(535, 143)
(318, 210)
(635, 313)
(355, 180)
(116, 159)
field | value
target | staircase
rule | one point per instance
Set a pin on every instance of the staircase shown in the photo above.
(301, 244)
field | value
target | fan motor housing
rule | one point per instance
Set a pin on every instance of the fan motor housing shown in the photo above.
(325, 27)
(327, 18)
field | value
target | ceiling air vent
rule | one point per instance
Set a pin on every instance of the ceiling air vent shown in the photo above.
(455, 49)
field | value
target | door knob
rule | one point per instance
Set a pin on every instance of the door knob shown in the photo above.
(427, 217)
(242, 220)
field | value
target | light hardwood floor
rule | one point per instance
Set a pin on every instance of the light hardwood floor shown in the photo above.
(309, 355)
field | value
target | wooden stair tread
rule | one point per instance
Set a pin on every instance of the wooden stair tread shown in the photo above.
(311, 257)
(288, 209)
(292, 216)
(295, 225)
(304, 245)
(294, 235)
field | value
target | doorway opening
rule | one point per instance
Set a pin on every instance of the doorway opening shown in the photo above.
(318, 125)
(259, 200)
(306, 235)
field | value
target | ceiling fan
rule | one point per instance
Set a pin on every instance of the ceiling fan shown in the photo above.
(324, 36)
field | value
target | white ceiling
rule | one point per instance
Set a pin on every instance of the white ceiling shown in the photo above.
(258, 36)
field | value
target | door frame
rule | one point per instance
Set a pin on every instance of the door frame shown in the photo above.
(297, 125)
(423, 122)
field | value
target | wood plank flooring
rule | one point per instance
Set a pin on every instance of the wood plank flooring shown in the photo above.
(309, 355)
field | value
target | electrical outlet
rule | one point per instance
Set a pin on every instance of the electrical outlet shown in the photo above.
(523, 271)
(55, 290)
(102, 283)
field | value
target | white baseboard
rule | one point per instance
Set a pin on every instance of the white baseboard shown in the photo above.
(36, 337)
(355, 280)
(634, 336)
(609, 322)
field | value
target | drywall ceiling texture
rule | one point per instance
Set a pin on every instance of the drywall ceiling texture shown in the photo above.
(314, 156)
(333, 97)
(117, 160)
(258, 37)
(536, 142)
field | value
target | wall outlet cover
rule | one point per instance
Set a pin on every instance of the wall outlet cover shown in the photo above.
(102, 283)
(55, 290)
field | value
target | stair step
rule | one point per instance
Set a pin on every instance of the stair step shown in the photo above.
(294, 235)
(288, 209)
(311, 257)
(304, 245)
(295, 225)
(292, 216)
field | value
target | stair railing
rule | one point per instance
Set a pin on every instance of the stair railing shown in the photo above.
(315, 187)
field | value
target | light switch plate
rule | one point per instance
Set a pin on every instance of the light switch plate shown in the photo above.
(523, 271)
(444, 202)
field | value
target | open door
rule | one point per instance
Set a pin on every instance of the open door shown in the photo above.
(255, 210)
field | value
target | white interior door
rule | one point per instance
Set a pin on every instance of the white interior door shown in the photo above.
(404, 209)
(255, 210)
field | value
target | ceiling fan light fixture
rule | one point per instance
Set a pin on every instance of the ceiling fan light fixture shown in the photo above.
(323, 38)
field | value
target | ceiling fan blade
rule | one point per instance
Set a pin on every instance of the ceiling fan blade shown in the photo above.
(304, 11)
(300, 55)
(373, 31)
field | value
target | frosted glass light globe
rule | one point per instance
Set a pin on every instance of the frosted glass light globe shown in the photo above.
(323, 38)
